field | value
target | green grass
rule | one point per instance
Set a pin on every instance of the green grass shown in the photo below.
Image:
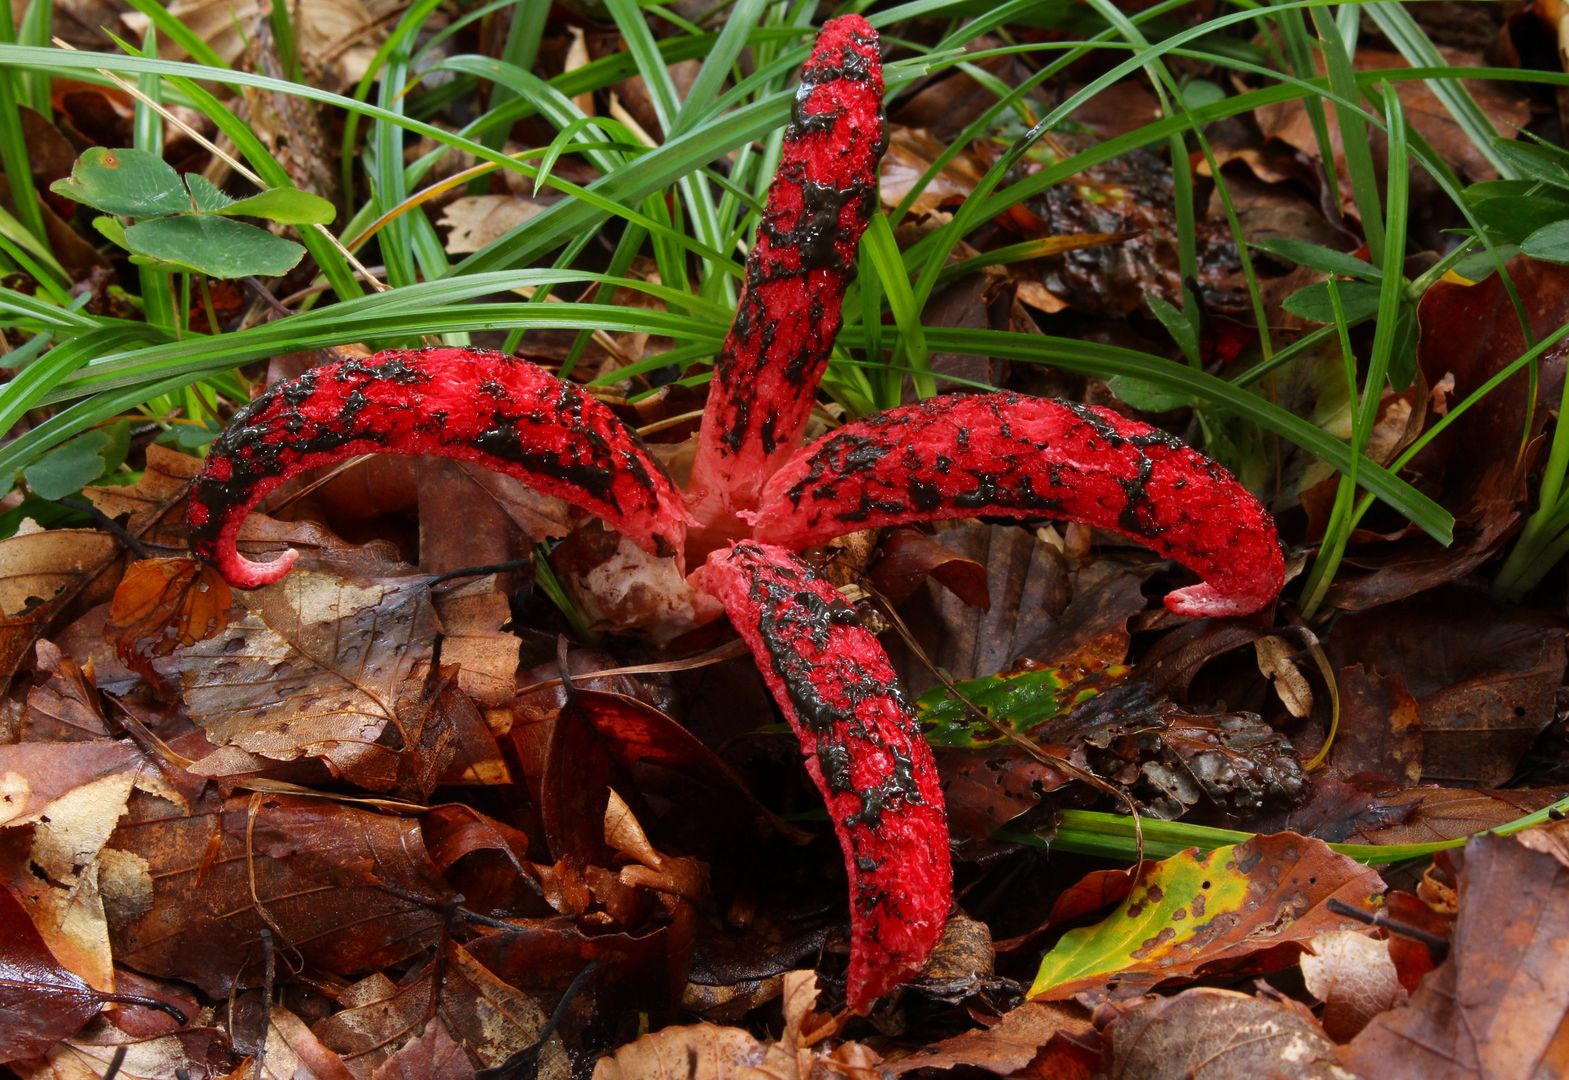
(690, 205)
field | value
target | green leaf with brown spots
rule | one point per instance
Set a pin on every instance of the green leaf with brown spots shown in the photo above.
(1246, 907)
(1019, 700)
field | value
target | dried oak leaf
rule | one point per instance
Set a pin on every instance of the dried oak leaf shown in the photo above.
(342, 889)
(1208, 1034)
(1499, 1005)
(1249, 907)
(315, 668)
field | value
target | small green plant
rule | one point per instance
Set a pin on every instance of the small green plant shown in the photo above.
(188, 225)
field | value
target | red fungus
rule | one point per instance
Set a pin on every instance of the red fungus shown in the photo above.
(834, 684)
(504, 413)
(996, 454)
(1006, 455)
(820, 201)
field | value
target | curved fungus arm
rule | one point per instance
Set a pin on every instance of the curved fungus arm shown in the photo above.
(473, 405)
(1009, 455)
(836, 687)
(821, 200)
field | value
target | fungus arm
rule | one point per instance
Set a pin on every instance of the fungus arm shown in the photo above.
(1014, 456)
(469, 404)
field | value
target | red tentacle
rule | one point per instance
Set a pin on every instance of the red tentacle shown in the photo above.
(834, 684)
(819, 204)
(504, 413)
(1003, 454)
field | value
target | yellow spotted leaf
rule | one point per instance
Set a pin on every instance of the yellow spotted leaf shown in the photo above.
(1246, 907)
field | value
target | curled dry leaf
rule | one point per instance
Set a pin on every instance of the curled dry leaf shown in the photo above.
(490, 1020)
(1039, 1038)
(39, 572)
(1249, 907)
(1355, 978)
(292, 1052)
(161, 604)
(63, 708)
(712, 1052)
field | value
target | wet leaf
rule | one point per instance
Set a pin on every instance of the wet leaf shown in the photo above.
(162, 604)
(1019, 701)
(1171, 760)
(1484, 676)
(342, 889)
(1246, 907)
(40, 1001)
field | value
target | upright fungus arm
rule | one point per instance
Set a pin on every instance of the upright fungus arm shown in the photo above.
(820, 202)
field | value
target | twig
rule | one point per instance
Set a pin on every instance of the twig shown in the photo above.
(1437, 947)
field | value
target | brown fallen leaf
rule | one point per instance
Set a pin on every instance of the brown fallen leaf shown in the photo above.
(63, 708)
(90, 1055)
(1499, 1005)
(315, 668)
(489, 1020)
(41, 1002)
(1485, 676)
(1353, 975)
(342, 889)
(1209, 1034)
(40, 571)
(293, 1052)
(475, 220)
(161, 604)
(433, 1054)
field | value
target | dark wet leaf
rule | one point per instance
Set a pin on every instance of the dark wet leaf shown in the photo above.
(342, 889)
(40, 1001)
